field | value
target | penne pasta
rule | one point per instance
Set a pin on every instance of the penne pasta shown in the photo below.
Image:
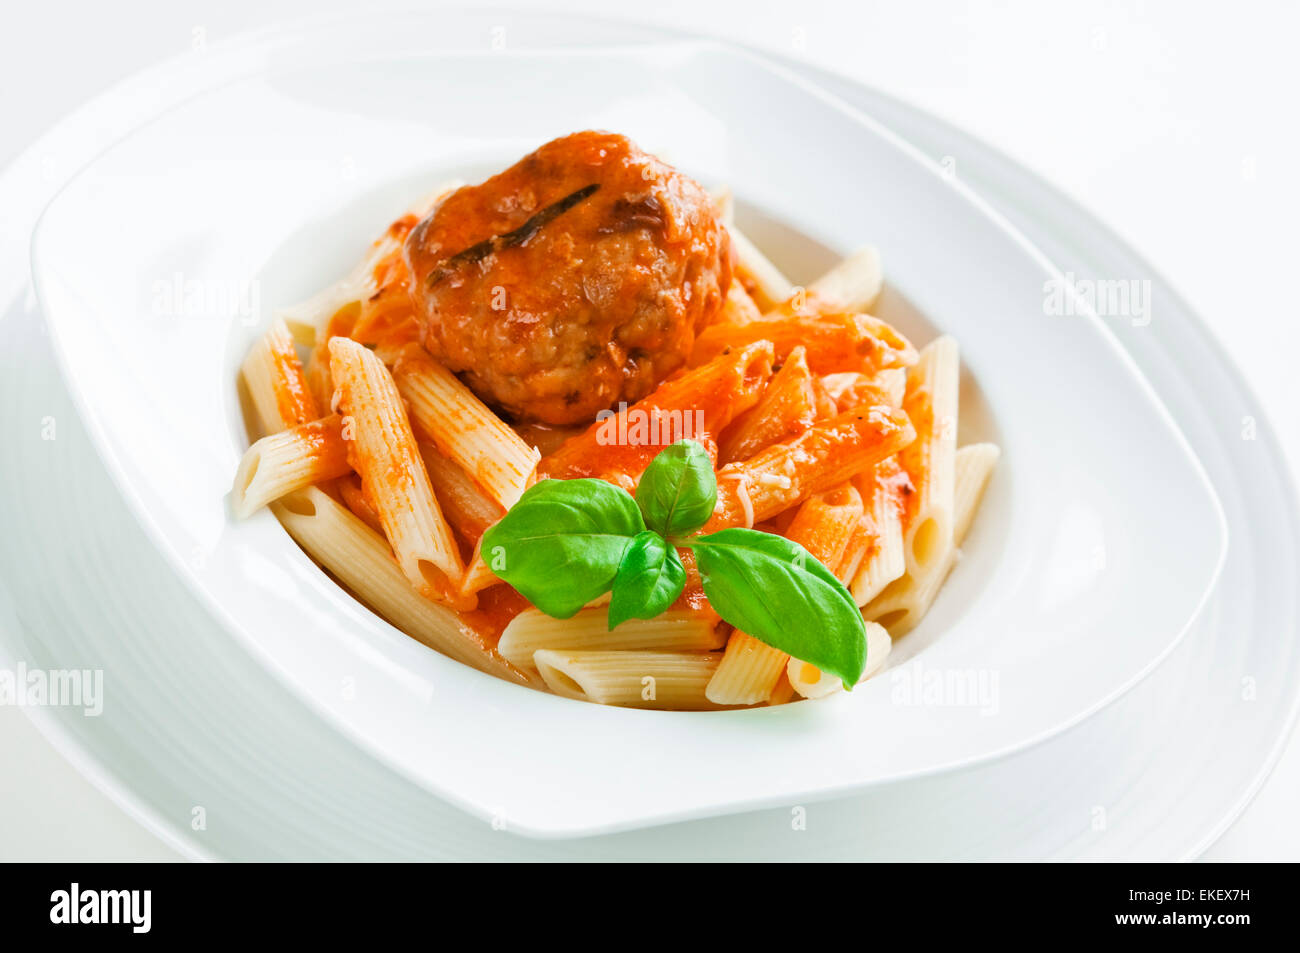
(973, 464)
(892, 383)
(463, 429)
(738, 307)
(810, 682)
(282, 462)
(855, 282)
(833, 342)
(670, 681)
(904, 602)
(931, 404)
(724, 203)
(783, 692)
(825, 523)
(478, 576)
(824, 455)
(383, 450)
(276, 383)
(354, 498)
(701, 402)
(884, 561)
(469, 510)
(308, 320)
(362, 561)
(850, 389)
(750, 669)
(787, 408)
(748, 672)
(759, 277)
(856, 550)
(319, 381)
(676, 630)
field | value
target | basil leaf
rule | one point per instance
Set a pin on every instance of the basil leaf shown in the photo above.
(649, 579)
(562, 543)
(778, 592)
(678, 491)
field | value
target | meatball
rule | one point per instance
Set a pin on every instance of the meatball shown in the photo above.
(573, 280)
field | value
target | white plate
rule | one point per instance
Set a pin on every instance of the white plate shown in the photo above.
(193, 720)
(1080, 577)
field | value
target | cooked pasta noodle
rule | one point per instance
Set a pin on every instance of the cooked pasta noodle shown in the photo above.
(904, 602)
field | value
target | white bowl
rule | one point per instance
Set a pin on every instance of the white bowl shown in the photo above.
(1099, 539)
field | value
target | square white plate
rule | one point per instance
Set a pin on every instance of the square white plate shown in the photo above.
(1098, 541)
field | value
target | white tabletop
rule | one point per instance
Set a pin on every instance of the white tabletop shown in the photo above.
(1174, 124)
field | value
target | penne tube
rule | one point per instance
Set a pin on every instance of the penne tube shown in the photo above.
(783, 692)
(786, 409)
(354, 498)
(319, 380)
(750, 668)
(469, 510)
(387, 320)
(810, 682)
(759, 277)
(748, 672)
(855, 282)
(276, 382)
(362, 561)
(824, 455)
(383, 450)
(699, 404)
(676, 630)
(671, 681)
(463, 429)
(724, 203)
(833, 342)
(825, 523)
(972, 465)
(308, 319)
(892, 383)
(478, 576)
(931, 404)
(849, 389)
(856, 551)
(826, 406)
(738, 307)
(282, 462)
(905, 601)
(884, 561)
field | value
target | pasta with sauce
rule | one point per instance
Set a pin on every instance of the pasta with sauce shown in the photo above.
(571, 318)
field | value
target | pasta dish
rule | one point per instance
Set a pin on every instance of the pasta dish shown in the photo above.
(570, 427)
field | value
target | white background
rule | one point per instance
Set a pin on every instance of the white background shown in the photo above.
(1175, 122)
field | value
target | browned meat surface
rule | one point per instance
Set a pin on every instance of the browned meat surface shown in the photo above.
(576, 278)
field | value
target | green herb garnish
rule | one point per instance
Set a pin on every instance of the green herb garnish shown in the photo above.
(566, 542)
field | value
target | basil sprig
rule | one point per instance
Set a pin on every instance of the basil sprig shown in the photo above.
(562, 543)
(678, 492)
(649, 580)
(566, 542)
